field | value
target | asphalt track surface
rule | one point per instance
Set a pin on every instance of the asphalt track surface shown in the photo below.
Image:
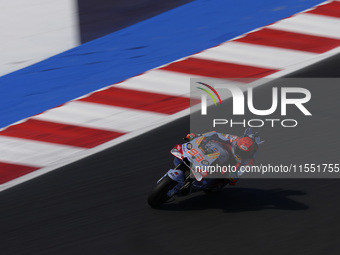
(98, 205)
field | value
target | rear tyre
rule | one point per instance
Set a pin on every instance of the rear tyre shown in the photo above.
(159, 195)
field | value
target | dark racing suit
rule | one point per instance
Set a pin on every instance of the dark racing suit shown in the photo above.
(223, 146)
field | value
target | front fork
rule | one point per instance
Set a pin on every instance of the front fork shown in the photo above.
(181, 175)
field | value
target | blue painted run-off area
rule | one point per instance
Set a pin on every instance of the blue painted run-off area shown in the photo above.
(172, 35)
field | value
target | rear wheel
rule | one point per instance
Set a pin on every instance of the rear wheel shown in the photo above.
(159, 195)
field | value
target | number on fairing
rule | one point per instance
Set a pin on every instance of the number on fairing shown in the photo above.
(197, 156)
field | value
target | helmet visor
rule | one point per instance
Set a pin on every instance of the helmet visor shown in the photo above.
(241, 154)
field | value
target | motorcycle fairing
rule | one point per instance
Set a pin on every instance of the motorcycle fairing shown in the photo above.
(193, 152)
(177, 151)
(177, 176)
(197, 157)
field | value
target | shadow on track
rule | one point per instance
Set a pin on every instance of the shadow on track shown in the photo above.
(239, 200)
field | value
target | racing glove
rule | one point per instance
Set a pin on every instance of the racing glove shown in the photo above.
(190, 136)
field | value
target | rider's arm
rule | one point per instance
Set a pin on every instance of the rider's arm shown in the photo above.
(209, 135)
(213, 134)
(240, 170)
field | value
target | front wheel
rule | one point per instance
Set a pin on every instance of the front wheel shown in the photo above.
(160, 193)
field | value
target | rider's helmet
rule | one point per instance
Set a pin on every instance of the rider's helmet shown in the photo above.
(244, 148)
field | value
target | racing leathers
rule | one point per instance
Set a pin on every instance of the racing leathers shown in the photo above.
(225, 147)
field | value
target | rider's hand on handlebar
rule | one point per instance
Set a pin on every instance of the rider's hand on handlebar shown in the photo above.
(190, 136)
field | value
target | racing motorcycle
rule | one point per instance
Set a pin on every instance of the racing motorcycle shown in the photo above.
(189, 156)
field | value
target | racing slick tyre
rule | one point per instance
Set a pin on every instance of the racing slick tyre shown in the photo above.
(159, 195)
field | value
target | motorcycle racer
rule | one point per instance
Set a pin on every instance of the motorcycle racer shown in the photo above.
(232, 150)
(209, 150)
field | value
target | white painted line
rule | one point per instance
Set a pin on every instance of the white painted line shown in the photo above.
(310, 24)
(100, 116)
(159, 81)
(33, 153)
(255, 55)
(165, 82)
(304, 64)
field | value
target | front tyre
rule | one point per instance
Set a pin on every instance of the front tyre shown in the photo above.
(159, 195)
